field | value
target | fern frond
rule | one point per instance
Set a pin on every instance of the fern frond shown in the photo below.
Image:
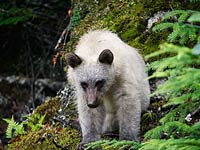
(192, 34)
(41, 119)
(183, 17)
(184, 28)
(12, 124)
(19, 129)
(194, 17)
(169, 129)
(35, 121)
(183, 14)
(154, 133)
(175, 33)
(178, 100)
(162, 26)
(182, 144)
(113, 144)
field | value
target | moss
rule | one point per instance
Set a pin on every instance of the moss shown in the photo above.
(52, 136)
(126, 18)
(50, 107)
(47, 138)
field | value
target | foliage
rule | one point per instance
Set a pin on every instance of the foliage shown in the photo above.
(14, 128)
(29, 30)
(12, 15)
(178, 129)
(188, 141)
(184, 29)
(75, 20)
(49, 108)
(34, 122)
(182, 143)
(47, 138)
(127, 18)
(182, 89)
(40, 132)
(113, 144)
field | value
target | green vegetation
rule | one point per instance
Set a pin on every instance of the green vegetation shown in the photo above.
(49, 108)
(47, 138)
(39, 131)
(183, 30)
(14, 128)
(114, 144)
(33, 123)
(128, 19)
(179, 128)
(12, 15)
(29, 30)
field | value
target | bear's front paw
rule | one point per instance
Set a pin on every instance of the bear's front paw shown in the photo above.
(83, 145)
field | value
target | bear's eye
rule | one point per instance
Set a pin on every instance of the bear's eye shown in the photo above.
(100, 83)
(84, 85)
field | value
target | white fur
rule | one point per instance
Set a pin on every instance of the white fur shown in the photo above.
(126, 93)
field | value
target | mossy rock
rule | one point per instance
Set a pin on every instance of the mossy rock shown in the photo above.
(50, 107)
(126, 18)
(48, 138)
(53, 135)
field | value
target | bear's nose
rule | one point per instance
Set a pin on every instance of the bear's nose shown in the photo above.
(93, 105)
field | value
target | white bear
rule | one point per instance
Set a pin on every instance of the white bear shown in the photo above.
(111, 84)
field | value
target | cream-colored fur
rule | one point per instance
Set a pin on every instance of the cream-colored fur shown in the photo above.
(126, 92)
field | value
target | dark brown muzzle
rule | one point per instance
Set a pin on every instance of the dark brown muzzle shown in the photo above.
(92, 100)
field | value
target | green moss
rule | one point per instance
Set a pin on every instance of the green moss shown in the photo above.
(51, 136)
(50, 107)
(47, 138)
(126, 18)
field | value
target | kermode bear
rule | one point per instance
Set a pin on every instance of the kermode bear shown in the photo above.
(111, 84)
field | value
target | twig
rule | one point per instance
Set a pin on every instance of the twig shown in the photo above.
(60, 46)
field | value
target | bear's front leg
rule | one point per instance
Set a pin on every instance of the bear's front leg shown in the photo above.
(129, 119)
(91, 120)
(111, 124)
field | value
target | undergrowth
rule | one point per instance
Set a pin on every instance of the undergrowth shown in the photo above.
(179, 128)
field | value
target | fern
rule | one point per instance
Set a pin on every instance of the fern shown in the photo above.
(181, 14)
(184, 28)
(190, 141)
(113, 144)
(182, 89)
(35, 121)
(169, 129)
(172, 144)
(194, 17)
(162, 26)
(13, 128)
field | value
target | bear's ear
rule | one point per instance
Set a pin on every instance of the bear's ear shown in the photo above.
(73, 60)
(106, 57)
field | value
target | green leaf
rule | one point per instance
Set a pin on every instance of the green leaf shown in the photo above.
(13, 128)
(162, 26)
(194, 17)
(183, 17)
(172, 14)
